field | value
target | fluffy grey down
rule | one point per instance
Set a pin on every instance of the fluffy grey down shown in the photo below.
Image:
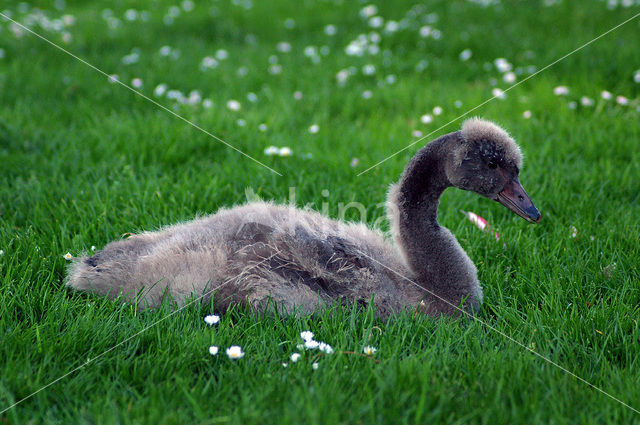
(301, 259)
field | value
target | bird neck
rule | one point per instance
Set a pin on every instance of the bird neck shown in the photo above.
(417, 199)
(440, 266)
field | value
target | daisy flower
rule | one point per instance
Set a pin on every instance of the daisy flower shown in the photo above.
(426, 119)
(311, 344)
(325, 348)
(235, 352)
(369, 350)
(211, 319)
(622, 100)
(233, 105)
(213, 350)
(586, 101)
(561, 91)
(306, 335)
(509, 77)
(295, 357)
(314, 366)
(68, 256)
(271, 150)
(465, 55)
(499, 93)
(285, 151)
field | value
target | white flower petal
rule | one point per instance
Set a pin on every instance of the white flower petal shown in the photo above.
(211, 319)
(235, 352)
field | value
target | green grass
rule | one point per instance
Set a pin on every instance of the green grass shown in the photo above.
(83, 162)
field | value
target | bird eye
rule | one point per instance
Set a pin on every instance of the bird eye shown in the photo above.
(492, 165)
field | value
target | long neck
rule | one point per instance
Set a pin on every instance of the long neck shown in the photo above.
(418, 196)
(433, 254)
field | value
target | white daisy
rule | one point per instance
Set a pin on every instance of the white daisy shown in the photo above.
(376, 22)
(187, 5)
(326, 348)
(314, 128)
(314, 366)
(437, 110)
(502, 65)
(208, 62)
(368, 11)
(233, 105)
(68, 256)
(526, 114)
(271, 150)
(306, 335)
(285, 151)
(213, 350)
(622, 100)
(160, 90)
(136, 83)
(235, 352)
(606, 95)
(499, 93)
(369, 69)
(561, 91)
(211, 319)
(586, 101)
(295, 357)
(311, 344)
(425, 31)
(283, 47)
(369, 350)
(509, 77)
(330, 29)
(465, 55)
(426, 119)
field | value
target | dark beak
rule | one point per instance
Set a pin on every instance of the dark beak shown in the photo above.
(516, 199)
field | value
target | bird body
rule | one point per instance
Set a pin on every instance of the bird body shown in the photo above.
(300, 259)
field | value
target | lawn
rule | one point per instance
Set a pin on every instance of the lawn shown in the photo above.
(343, 85)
